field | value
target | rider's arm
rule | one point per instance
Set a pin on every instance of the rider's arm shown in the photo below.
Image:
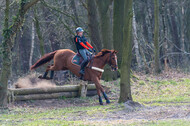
(88, 44)
(81, 43)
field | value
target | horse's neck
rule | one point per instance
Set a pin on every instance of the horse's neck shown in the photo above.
(100, 62)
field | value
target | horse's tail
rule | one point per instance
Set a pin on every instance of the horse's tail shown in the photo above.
(46, 58)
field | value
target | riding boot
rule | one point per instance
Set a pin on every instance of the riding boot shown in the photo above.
(83, 65)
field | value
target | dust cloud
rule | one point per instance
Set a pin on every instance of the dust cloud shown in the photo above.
(32, 81)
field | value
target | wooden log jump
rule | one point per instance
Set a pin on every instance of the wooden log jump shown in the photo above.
(67, 91)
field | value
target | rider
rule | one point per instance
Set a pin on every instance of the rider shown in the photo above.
(83, 48)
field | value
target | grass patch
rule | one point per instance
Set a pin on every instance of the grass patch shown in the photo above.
(31, 116)
(149, 91)
(176, 122)
(162, 91)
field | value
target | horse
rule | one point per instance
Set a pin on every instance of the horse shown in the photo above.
(63, 61)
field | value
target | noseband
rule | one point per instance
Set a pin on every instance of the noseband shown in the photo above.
(110, 64)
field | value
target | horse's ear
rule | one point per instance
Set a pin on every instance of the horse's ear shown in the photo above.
(115, 51)
(104, 51)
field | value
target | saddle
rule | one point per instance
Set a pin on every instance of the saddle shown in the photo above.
(77, 59)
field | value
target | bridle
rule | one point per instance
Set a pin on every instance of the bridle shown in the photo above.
(113, 67)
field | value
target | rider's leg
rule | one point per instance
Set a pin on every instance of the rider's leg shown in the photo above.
(85, 61)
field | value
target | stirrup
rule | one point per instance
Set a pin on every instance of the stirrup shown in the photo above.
(81, 77)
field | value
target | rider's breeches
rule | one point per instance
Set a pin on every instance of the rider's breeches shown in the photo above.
(84, 53)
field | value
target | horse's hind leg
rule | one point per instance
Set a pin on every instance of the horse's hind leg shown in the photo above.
(45, 74)
(51, 74)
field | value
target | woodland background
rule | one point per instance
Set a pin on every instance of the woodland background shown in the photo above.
(50, 25)
(152, 37)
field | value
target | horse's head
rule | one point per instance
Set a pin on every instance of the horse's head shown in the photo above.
(111, 57)
(113, 60)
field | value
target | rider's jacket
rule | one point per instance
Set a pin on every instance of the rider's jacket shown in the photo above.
(81, 42)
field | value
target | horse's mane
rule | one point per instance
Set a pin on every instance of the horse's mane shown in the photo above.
(102, 53)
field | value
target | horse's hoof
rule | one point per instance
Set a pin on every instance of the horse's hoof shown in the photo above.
(108, 101)
(40, 77)
(47, 78)
(101, 103)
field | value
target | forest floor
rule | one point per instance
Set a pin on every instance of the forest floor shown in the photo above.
(164, 99)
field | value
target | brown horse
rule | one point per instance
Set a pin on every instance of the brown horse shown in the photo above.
(63, 61)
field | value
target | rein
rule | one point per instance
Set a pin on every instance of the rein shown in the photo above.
(110, 64)
(98, 69)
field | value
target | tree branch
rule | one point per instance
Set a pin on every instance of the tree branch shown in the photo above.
(30, 4)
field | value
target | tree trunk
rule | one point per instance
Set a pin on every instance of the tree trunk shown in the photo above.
(136, 45)
(148, 20)
(9, 34)
(184, 57)
(174, 34)
(165, 44)
(106, 32)
(38, 31)
(156, 35)
(118, 13)
(6, 69)
(93, 25)
(73, 6)
(125, 88)
(32, 45)
(105, 23)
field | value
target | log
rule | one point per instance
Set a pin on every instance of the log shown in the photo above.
(45, 96)
(91, 92)
(68, 91)
(68, 88)
(83, 90)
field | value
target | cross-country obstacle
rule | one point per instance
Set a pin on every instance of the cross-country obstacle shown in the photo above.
(68, 91)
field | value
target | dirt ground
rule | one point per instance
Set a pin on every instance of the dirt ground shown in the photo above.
(163, 103)
(126, 113)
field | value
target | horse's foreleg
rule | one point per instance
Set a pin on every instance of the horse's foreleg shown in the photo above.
(100, 98)
(104, 94)
(106, 97)
(99, 94)
(97, 84)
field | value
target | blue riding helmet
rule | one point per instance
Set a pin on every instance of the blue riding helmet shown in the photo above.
(79, 29)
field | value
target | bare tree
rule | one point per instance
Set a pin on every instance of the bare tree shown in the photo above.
(125, 87)
(156, 35)
(9, 34)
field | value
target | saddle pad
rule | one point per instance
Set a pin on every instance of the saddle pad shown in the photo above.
(77, 59)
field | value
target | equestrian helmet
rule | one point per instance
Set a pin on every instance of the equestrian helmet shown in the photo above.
(79, 29)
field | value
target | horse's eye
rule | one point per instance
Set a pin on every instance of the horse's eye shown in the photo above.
(113, 58)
